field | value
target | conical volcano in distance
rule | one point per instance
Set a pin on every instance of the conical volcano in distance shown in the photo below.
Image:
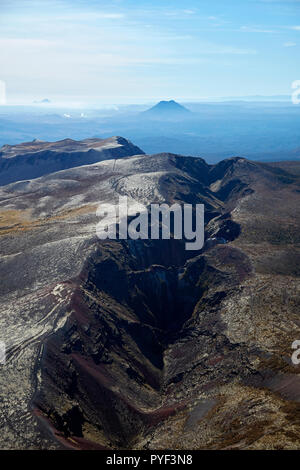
(167, 109)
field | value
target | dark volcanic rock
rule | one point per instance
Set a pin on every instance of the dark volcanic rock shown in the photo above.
(141, 344)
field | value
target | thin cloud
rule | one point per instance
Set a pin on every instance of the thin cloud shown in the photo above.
(179, 13)
(249, 29)
(189, 12)
(87, 16)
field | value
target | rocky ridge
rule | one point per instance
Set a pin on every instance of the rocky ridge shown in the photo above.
(141, 344)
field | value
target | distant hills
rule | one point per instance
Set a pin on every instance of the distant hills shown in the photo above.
(44, 101)
(167, 109)
(258, 131)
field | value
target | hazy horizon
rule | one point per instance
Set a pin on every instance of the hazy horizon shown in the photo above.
(45, 103)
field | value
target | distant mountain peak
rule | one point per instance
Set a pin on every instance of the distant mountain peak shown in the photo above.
(43, 101)
(167, 109)
(169, 103)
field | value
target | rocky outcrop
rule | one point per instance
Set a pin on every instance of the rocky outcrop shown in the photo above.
(142, 344)
(38, 158)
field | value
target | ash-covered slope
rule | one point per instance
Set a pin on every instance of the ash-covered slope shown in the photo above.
(141, 344)
(38, 158)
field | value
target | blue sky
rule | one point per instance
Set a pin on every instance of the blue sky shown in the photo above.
(132, 51)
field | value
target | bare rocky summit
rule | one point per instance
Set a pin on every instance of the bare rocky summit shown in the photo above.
(141, 344)
(37, 158)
